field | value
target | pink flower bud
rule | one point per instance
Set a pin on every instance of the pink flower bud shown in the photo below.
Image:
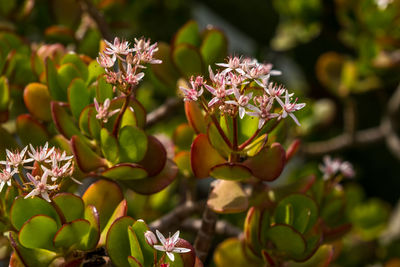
(151, 238)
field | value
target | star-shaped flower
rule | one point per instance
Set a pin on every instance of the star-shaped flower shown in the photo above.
(5, 176)
(16, 158)
(41, 187)
(168, 245)
(102, 110)
(242, 101)
(289, 108)
(40, 154)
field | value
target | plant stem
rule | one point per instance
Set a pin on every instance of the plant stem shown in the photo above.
(205, 235)
(59, 212)
(248, 141)
(119, 118)
(220, 131)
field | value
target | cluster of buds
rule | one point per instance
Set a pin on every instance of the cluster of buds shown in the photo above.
(332, 167)
(123, 64)
(168, 245)
(50, 167)
(235, 92)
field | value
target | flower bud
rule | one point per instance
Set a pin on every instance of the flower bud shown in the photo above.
(151, 238)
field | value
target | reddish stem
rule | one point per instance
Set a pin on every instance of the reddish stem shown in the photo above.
(119, 118)
(248, 141)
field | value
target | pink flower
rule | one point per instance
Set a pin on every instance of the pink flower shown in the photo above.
(41, 187)
(192, 94)
(41, 153)
(131, 77)
(16, 158)
(263, 112)
(117, 48)
(105, 61)
(151, 238)
(219, 93)
(168, 245)
(242, 101)
(5, 176)
(102, 110)
(234, 63)
(331, 167)
(289, 108)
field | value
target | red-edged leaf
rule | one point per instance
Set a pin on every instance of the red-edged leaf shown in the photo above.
(154, 184)
(37, 101)
(195, 117)
(125, 171)
(227, 197)
(204, 156)
(230, 171)
(155, 158)
(268, 164)
(31, 131)
(86, 158)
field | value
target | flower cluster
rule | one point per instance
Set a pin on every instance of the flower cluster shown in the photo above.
(123, 64)
(242, 87)
(168, 245)
(48, 163)
(332, 167)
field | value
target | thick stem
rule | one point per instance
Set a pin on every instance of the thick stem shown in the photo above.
(206, 233)
(248, 141)
(119, 118)
(59, 212)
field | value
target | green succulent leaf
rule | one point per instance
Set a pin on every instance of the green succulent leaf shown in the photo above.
(38, 232)
(109, 145)
(77, 62)
(188, 34)
(287, 240)
(118, 212)
(214, 46)
(165, 72)
(187, 59)
(133, 262)
(105, 195)
(70, 235)
(230, 171)
(65, 201)
(65, 74)
(104, 90)
(63, 121)
(155, 158)
(95, 72)
(57, 92)
(136, 251)
(140, 227)
(4, 93)
(133, 144)
(230, 253)
(29, 256)
(195, 117)
(183, 136)
(117, 244)
(125, 171)
(297, 210)
(86, 158)
(93, 235)
(24, 209)
(182, 160)
(31, 131)
(78, 96)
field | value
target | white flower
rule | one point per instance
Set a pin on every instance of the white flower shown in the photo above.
(289, 108)
(242, 101)
(102, 110)
(41, 187)
(105, 61)
(330, 167)
(168, 245)
(234, 63)
(263, 112)
(41, 153)
(16, 158)
(5, 176)
(117, 48)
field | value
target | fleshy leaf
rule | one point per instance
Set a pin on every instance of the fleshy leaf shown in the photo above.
(321, 258)
(268, 164)
(188, 34)
(183, 136)
(65, 74)
(165, 72)
(227, 197)
(214, 46)
(95, 71)
(125, 171)
(78, 63)
(30, 131)
(133, 144)
(287, 240)
(136, 251)
(86, 158)
(28, 256)
(63, 121)
(297, 210)
(65, 201)
(104, 90)
(230, 171)
(4, 93)
(93, 235)
(187, 59)
(105, 195)
(140, 228)
(133, 262)
(56, 91)
(37, 101)
(217, 141)
(195, 117)
(38, 232)
(230, 253)
(70, 235)
(204, 156)
(155, 158)
(117, 244)
(154, 184)
(23, 209)
(182, 160)
(252, 229)
(109, 145)
(78, 96)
